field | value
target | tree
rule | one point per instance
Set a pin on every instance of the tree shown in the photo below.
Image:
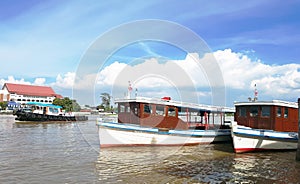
(67, 104)
(3, 105)
(105, 97)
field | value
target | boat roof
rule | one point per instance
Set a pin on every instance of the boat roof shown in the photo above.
(160, 101)
(43, 104)
(270, 103)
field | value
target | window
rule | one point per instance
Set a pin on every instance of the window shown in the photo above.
(265, 111)
(160, 110)
(171, 111)
(135, 110)
(286, 112)
(242, 111)
(278, 112)
(253, 111)
(128, 109)
(147, 108)
(122, 108)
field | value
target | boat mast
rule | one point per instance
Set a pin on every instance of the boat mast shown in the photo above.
(255, 94)
(129, 90)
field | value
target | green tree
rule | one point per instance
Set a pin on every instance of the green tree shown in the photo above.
(67, 104)
(105, 98)
(3, 105)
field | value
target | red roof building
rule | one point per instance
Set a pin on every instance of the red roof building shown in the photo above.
(27, 93)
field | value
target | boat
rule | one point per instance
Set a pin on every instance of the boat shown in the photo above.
(265, 125)
(36, 111)
(143, 121)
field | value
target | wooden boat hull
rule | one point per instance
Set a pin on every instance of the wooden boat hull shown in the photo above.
(247, 139)
(117, 134)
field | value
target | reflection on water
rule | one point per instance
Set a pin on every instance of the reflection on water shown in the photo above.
(69, 153)
(195, 164)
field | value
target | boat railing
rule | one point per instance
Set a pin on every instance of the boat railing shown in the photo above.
(178, 103)
(108, 118)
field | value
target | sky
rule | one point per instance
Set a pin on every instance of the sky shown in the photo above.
(211, 52)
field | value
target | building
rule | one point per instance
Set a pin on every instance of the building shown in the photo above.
(23, 93)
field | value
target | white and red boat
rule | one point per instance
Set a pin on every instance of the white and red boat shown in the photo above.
(265, 125)
(164, 122)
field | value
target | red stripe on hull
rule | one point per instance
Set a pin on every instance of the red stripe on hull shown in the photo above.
(244, 150)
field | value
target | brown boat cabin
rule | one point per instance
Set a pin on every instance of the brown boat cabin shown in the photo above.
(164, 114)
(273, 115)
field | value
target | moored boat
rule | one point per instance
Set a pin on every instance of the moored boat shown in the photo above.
(163, 122)
(265, 125)
(35, 111)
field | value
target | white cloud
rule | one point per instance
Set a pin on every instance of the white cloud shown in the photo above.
(66, 81)
(240, 72)
(108, 75)
(11, 79)
(39, 81)
(153, 78)
(148, 74)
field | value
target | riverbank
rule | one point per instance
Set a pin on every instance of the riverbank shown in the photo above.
(6, 112)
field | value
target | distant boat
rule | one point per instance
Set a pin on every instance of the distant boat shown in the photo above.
(164, 122)
(36, 111)
(265, 125)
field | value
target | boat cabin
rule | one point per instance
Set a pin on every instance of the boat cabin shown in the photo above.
(42, 108)
(167, 114)
(273, 115)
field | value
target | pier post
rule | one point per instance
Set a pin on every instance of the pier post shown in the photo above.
(298, 147)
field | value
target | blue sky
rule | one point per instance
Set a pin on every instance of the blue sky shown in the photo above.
(255, 42)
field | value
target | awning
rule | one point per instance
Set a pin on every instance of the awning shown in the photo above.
(13, 104)
(43, 104)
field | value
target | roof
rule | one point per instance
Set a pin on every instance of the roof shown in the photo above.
(43, 105)
(270, 103)
(30, 90)
(177, 104)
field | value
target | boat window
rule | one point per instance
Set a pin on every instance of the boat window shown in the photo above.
(265, 111)
(160, 110)
(278, 112)
(135, 110)
(147, 108)
(286, 112)
(128, 109)
(122, 108)
(171, 111)
(242, 111)
(253, 111)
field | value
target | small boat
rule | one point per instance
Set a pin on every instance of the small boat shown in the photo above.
(163, 122)
(36, 111)
(265, 125)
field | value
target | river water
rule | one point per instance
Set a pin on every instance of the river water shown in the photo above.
(69, 153)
